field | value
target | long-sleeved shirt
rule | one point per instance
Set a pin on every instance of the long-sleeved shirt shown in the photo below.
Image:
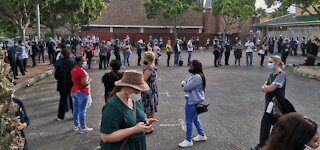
(193, 87)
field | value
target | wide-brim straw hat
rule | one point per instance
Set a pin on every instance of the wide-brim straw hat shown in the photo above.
(134, 79)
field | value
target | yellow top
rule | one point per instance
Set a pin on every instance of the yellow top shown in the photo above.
(169, 48)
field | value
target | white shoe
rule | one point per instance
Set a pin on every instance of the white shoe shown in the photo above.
(85, 130)
(76, 128)
(186, 143)
(200, 138)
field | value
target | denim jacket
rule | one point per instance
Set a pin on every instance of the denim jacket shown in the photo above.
(194, 88)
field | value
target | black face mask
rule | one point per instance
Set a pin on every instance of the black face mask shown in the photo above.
(192, 71)
(145, 62)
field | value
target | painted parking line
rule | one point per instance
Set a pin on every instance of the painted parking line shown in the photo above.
(183, 125)
(165, 93)
(180, 123)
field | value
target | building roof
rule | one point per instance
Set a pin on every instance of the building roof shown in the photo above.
(131, 13)
(290, 20)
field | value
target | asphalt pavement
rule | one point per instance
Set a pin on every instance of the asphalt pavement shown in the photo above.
(232, 123)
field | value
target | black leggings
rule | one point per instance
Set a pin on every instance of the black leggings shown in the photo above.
(168, 59)
(262, 60)
(267, 121)
(216, 58)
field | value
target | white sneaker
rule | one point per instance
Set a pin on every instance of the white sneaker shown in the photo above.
(185, 143)
(200, 138)
(76, 128)
(85, 130)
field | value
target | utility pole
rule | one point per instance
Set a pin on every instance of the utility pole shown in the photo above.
(38, 21)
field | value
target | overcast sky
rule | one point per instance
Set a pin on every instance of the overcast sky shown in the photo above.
(262, 4)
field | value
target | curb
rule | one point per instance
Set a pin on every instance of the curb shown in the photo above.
(305, 74)
(33, 80)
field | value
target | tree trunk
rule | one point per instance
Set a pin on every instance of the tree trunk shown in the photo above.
(22, 33)
(224, 36)
(53, 31)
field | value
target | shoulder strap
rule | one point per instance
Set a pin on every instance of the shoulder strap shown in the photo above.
(274, 77)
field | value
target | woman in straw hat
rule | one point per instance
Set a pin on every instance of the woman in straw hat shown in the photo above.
(274, 86)
(123, 122)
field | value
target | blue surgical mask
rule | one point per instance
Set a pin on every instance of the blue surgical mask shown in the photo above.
(271, 66)
(84, 64)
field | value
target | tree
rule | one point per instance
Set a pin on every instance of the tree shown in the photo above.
(304, 5)
(261, 13)
(90, 10)
(19, 13)
(54, 13)
(170, 10)
(7, 28)
(280, 11)
(232, 12)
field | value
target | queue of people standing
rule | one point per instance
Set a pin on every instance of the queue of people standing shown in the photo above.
(17, 54)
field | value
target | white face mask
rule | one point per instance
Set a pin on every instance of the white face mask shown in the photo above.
(135, 97)
(309, 148)
(84, 64)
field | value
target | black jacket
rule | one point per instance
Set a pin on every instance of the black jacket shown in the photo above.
(63, 74)
(22, 114)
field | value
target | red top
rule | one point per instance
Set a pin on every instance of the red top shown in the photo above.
(77, 73)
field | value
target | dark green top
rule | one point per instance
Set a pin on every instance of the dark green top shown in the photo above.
(115, 116)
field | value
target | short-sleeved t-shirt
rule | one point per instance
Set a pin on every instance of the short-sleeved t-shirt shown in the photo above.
(280, 80)
(77, 73)
(115, 116)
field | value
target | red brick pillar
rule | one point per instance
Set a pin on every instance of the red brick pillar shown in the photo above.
(206, 15)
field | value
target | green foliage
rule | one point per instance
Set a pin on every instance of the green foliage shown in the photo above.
(19, 13)
(305, 5)
(49, 34)
(281, 11)
(90, 10)
(170, 8)
(54, 12)
(240, 10)
(7, 28)
(260, 12)
(57, 13)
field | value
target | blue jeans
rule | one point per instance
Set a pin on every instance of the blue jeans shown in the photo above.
(80, 101)
(189, 57)
(192, 118)
(249, 56)
(126, 58)
(176, 58)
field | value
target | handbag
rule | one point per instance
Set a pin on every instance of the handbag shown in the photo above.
(281, 106)
(202, 107)
(276, 110)
(180, 61)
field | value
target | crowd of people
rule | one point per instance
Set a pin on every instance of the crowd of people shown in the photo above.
(131, 97)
